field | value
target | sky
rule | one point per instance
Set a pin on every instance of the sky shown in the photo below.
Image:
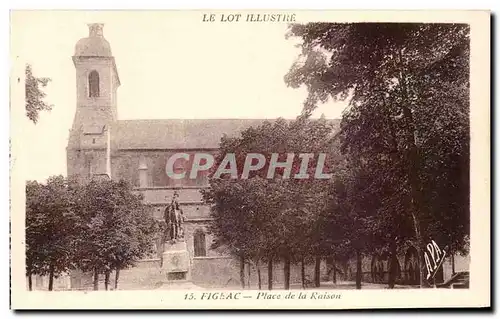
(171, 65)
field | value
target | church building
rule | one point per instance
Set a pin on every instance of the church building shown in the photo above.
(137, 150)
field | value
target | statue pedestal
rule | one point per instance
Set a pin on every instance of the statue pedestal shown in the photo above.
(176, 261)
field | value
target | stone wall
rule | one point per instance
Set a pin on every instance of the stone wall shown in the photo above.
(147, 274)
(214, 272)
(206, 272)
(225, 273)
(219, 272)
(403, 277)
(42, 282)
(153, 162)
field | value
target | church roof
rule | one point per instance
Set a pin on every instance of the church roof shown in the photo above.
(178, 133)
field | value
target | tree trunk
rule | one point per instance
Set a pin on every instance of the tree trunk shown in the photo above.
(393, 265)
(259, 275)
(286, 271)
(303, 273)
(270, 274)
(358, 269)
(117, 276)
(416, 200)
(30, 282)
(96, 279)
(419, 245)
(317, 264)
(107, 274)
(51, 278)
(242, 271)
(452, 264)
(248, 280)
(334, 271)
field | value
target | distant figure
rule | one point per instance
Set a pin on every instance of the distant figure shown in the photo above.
(174, 218)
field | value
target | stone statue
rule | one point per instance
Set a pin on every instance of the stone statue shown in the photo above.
(174, 218)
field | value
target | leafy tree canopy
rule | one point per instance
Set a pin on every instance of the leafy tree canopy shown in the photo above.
(35, 95)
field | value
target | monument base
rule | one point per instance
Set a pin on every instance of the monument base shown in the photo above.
(176, 276)
(176, 262)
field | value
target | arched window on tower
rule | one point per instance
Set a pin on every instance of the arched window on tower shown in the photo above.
(199, 244)
(94, 84)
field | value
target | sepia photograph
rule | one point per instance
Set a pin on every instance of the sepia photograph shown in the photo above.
(243, 156)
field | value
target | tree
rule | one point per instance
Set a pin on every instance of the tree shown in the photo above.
(408, 87)
(241, 223)
(261, 219)
(35, 95)
(33, 231)
(50, 222)
(100, 226)
(348, 222)
(114, 231)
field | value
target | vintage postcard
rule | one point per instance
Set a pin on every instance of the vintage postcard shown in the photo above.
(232, 159)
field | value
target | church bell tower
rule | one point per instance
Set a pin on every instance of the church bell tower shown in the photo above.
(97, 81)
